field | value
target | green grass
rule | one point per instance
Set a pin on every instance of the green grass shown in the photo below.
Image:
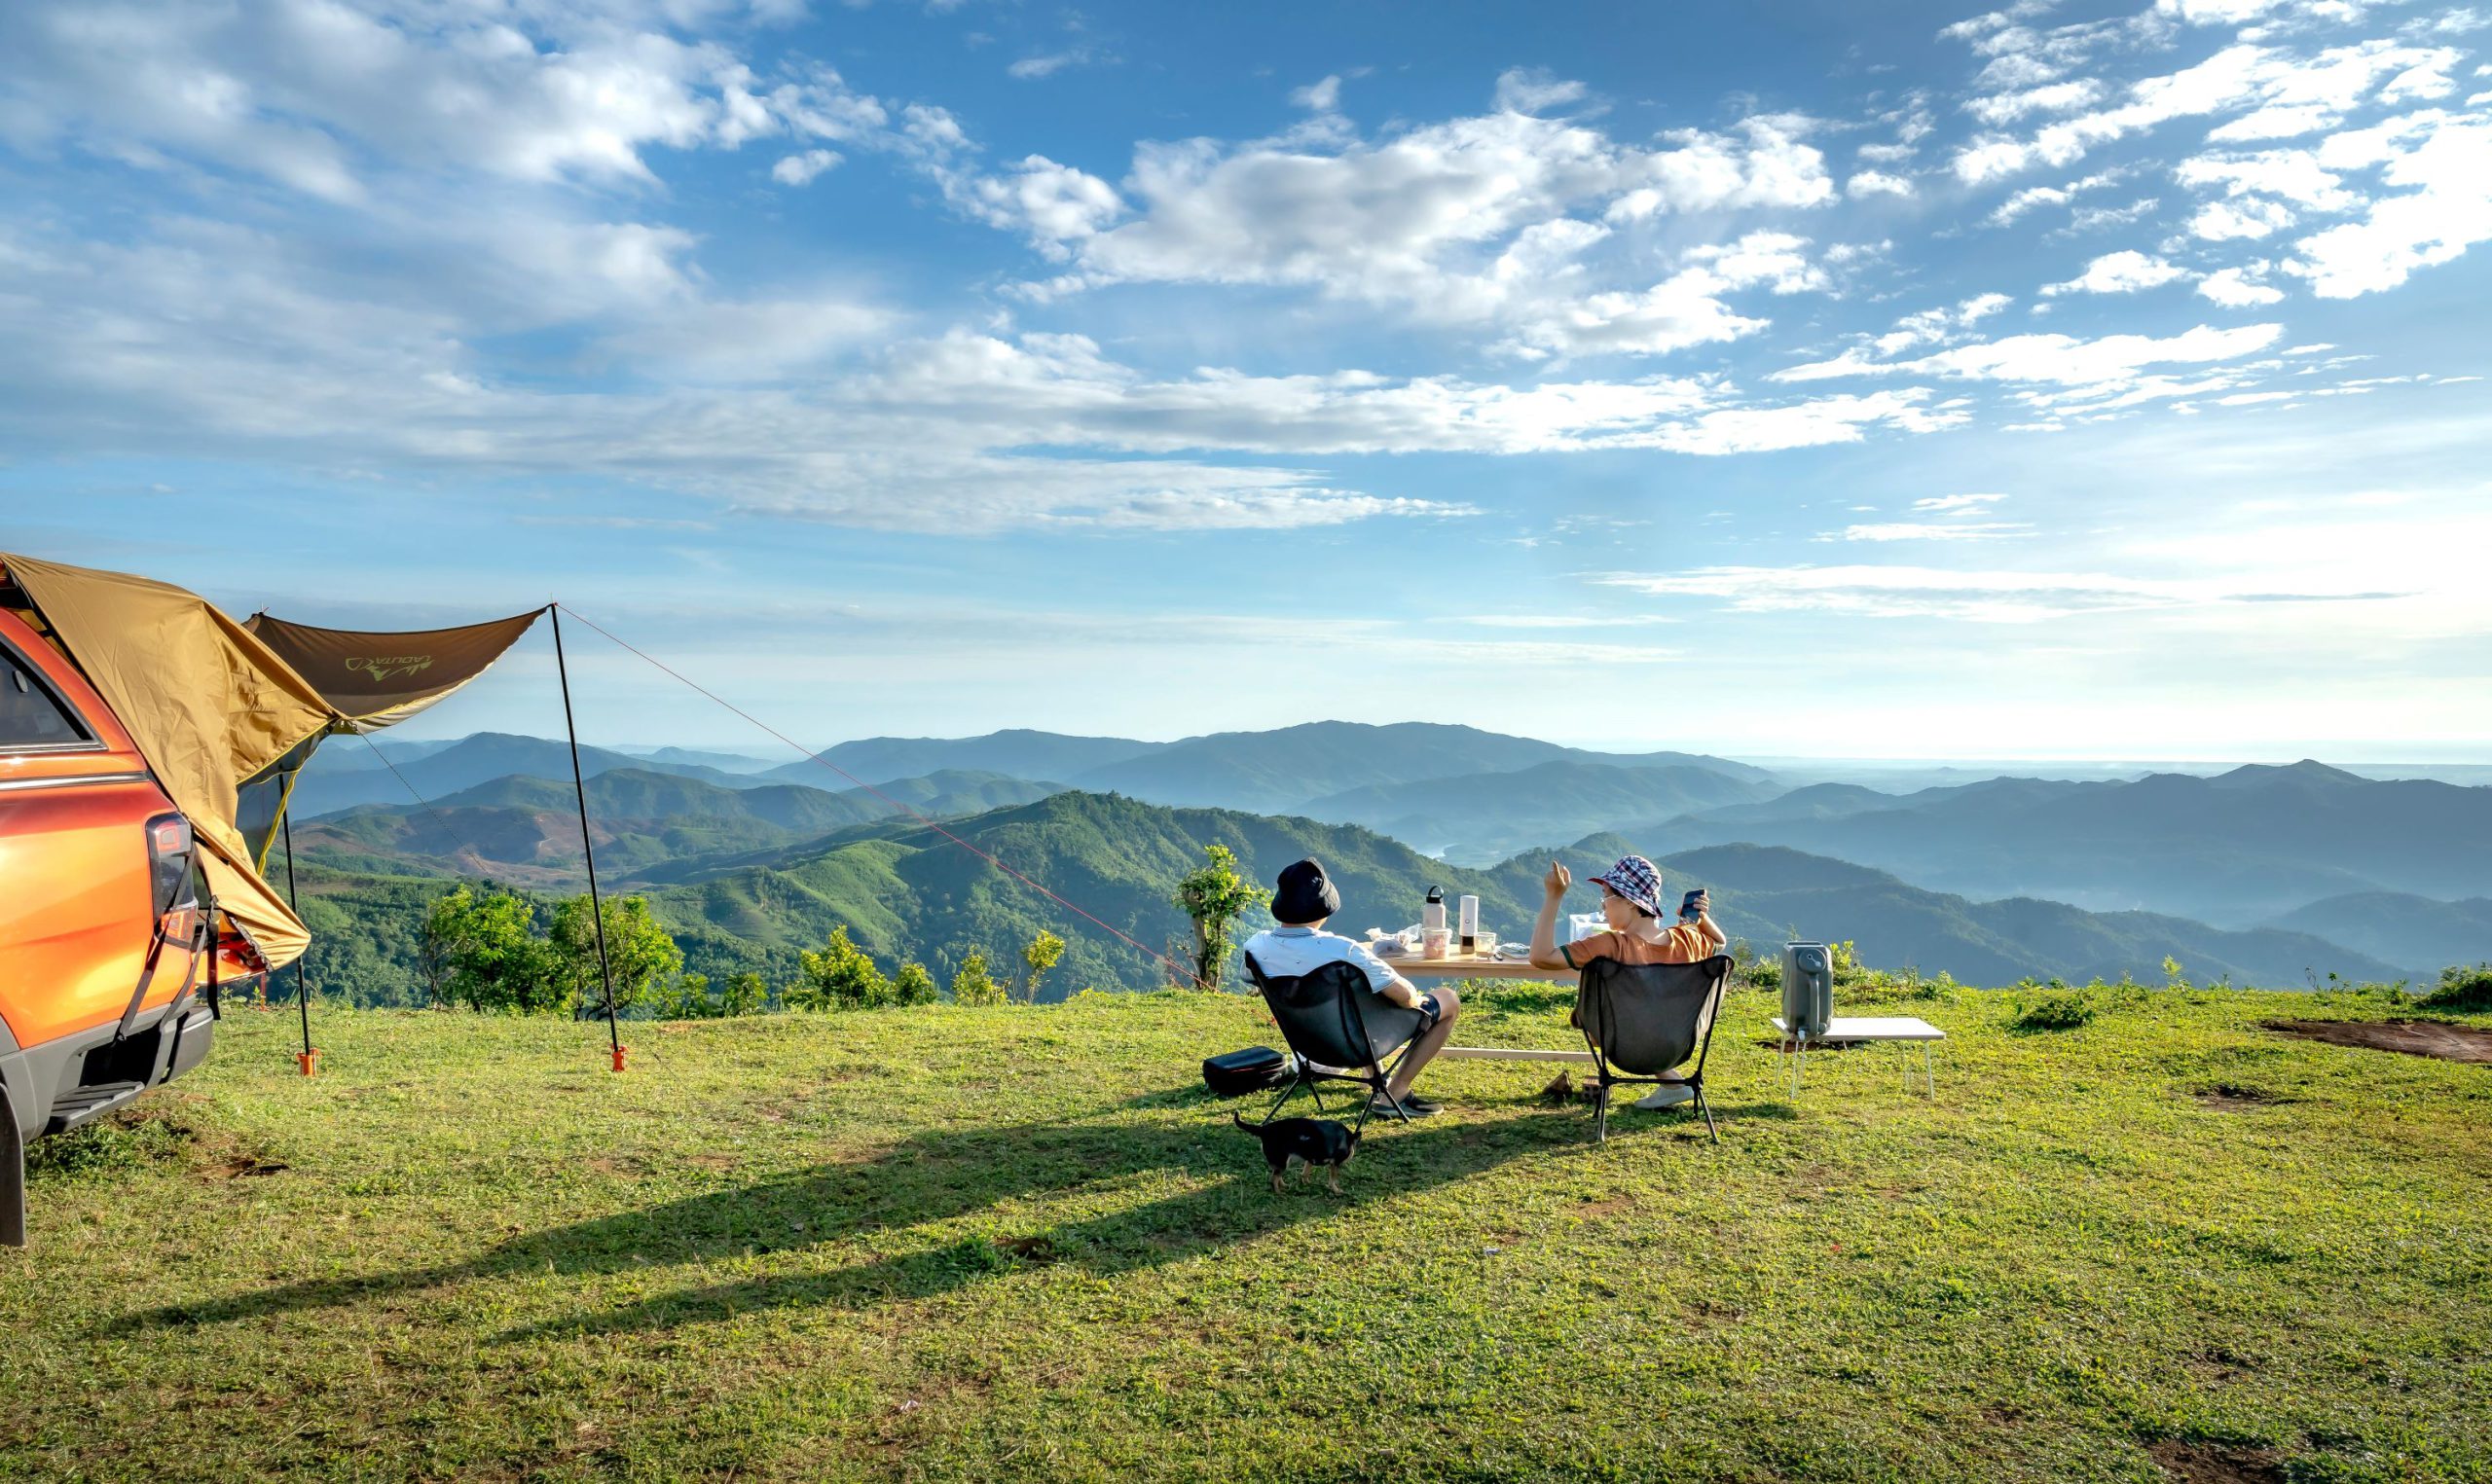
(1017, 1243)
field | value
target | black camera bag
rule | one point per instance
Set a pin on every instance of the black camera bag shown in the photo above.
(1236, 1073)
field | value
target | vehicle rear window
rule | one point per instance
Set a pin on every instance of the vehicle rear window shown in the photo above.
(30, 715)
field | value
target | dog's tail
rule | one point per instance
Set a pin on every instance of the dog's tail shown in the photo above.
(1239, 1119)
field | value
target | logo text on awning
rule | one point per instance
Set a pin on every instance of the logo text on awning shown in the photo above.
(386, 667)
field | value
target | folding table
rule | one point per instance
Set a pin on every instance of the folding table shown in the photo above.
(1852, 1029)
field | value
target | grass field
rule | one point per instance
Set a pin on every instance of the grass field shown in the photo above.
(1018, 1243)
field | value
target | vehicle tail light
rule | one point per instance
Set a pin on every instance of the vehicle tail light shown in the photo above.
(168, 861)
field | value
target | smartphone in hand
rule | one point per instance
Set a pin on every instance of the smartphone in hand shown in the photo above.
(1692, 906)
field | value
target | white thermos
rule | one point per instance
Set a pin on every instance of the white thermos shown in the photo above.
(1432, 914)
(1469, 923)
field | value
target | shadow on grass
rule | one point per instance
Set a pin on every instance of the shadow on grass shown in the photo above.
(941, 1176)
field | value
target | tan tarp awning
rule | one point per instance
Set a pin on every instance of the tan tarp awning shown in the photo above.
(380, 679)
(207, 704)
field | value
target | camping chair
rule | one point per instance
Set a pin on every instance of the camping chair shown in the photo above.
(1643, 1019)
(1339, 1029)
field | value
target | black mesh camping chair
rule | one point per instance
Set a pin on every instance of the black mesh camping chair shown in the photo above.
(1642, 1019)
(1339, 1029)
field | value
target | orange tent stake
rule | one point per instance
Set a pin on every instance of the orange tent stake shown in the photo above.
(309, 1061)
(619, 1049)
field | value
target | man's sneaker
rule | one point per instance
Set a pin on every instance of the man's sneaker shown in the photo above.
(1411, 1104)
(1667, 1094)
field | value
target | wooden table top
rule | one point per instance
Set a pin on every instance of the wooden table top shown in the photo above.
(1459, 965)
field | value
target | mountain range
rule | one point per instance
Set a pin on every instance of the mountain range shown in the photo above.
(904, 891)
(2243, 848)
(2391, 872)
(345, 772)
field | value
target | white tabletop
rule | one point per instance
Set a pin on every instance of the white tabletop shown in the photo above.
(1875, 1027)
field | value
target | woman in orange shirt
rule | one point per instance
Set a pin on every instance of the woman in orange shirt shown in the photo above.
(1630, 902)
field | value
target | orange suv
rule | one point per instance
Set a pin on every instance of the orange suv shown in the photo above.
(107, 986)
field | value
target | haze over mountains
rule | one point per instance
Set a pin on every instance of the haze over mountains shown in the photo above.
(2308, 869)
(2239, 848)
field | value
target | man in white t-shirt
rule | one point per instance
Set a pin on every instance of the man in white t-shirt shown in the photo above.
(1300, 946)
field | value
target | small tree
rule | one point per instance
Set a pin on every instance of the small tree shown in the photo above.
(688, 999)
(1214, 896)
(1038, 955)
(746, 994)
(642, 955)
(494, 959)
(450, 924)
(914, 985)
(841, 977)
(974, 985)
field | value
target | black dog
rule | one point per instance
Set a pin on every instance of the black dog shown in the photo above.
(1314, 1140)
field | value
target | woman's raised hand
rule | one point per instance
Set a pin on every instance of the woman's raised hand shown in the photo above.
(1558, 879)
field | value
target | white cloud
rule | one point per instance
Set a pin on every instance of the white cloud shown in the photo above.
(1967, 595)
(1054, 205)
(1937, 530)
(1320, 96)
(2238, 78)
(315, 97)
(2032, 198)
(1562, 620)
(1048, 64)
(724, 342)
(2109, 371)
(1534, 90)
(2245, 220)
(2085, 219)
(800, 170)
(2051, 97)
(2442, 167)
(1471, 221)
(1929, 327)
(2241, 288)
(2295, 175)
(2117, 273)
(1686, 308)
(1943, 518)
(1868, 183)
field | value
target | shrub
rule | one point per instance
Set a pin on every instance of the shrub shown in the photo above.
(914, 985)
(689, 999)
(1037, 958)
(973, 984)
(642, 955)
(746, 994)
(841, 977)
(1214, 897)
(2461, 988)
(483, 952)
(2058, 1009)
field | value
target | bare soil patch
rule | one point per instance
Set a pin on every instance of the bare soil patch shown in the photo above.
(2207, 1464)
(2412, 1037)
(2233, 1098)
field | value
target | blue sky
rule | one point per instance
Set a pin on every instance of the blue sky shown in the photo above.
(1893, 379)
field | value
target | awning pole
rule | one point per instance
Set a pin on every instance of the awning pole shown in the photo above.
(588, 847)
(302, 988)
